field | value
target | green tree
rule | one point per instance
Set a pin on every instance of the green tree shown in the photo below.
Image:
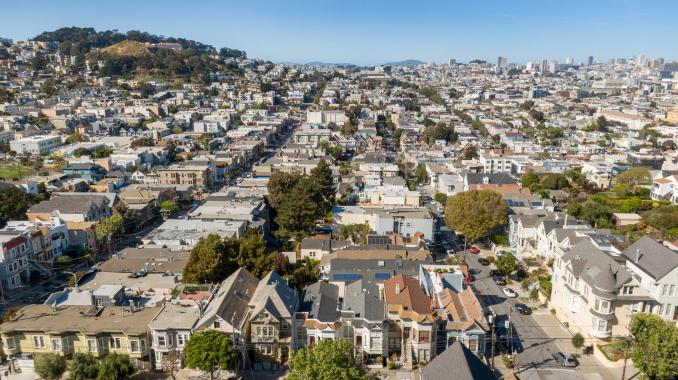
(476, 213)
(209, 351)
(252, 254)
(115, 366)
(210, 260)
(555, 181)
(421, 174)
(531, 181)
(356, 232)
(578, 341)
(168, 208)
(109, 227)
(50, 366)
(13, 204)
(655, 344)
(76, 138)
(102, 152)
(83, 367)
(297, 214)
(506, 264)
(635, 177)
(279, 186)
(81, 152)
(321, 176)
(440, 198)
(326, 360)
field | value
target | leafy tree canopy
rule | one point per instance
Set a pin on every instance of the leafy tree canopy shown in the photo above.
(209, 351)
(476, 213)
(115, 367)
(326, 360)
(50, 366)
(655, 346)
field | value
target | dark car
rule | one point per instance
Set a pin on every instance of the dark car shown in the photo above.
(519, 275)
(501, 281)
(495, 273)
(523, 309)
(484, 262)
(566, 360)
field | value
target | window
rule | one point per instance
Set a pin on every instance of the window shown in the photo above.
(56, 344)
(627, 290)
(39, 341)
(217, 325)
(473, 345)
(668, 310)
(143, 345)
(181, 339)
(600, 325)
(284, 324)
(9, 342)
(115, 343)
(92, 345)
(424, 336)
(602, 306)
(161, 341)
(134, 345)
(665, 289)
(672, 290)
(258, 330)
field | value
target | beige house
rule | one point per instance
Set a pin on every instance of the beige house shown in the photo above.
(41, 329)
(185, 175)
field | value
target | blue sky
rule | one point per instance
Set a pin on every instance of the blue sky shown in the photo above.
(377, 31)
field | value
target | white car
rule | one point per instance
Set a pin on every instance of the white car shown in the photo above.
(508, 292)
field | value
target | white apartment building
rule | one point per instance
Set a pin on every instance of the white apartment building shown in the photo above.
(325, 117)
(665, 188)
(38, 144)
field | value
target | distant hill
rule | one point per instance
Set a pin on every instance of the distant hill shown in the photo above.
(316, 63)
(127, 48)
(407, 62)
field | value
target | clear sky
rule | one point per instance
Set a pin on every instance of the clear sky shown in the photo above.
(377, 31)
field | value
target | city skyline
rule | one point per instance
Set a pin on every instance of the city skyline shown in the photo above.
(379, 32)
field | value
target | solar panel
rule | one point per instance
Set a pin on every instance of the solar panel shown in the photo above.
(382, 276)
(346, 277)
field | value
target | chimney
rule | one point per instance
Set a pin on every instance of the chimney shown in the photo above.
(637, 255)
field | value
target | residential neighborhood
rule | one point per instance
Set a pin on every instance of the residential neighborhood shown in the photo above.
(480, 219)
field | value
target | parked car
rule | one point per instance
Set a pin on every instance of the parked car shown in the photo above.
(470, 278)
(508, 292)
(518, 275)
(474, 250)
(484, 262)
(501, 281)
(566, 360)
(523, 309)
(495, 273)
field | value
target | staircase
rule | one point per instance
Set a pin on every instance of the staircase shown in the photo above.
(39, 267)
(407, 355)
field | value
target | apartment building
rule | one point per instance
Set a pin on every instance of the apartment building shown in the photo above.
(180, 174)
(65, 330)
(592, 292)
(15, 250)
(38, 144)
(665, 188)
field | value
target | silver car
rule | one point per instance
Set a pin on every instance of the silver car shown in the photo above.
(566, 360)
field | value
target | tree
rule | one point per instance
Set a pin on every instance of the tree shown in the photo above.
(356, 232)
(109, 226)
(102, 152)
(655, 343)
(279, 186)
(506, 264)
(210, 260)
(476, 213)
(441, 198)
(76, 138)
(252, 254)
(81, 152)
(635, 177)
(321, 176)
(115, 367)
(421, 174)
(13, 204)
(171, 363)
(578, 341)
(209, 351)
(168, 208)
(83, 367)
(50, 366)
(326, 360)
(530, 181)
(298, 212)
(555, 181)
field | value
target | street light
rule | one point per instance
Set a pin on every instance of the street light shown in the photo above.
(629, 339)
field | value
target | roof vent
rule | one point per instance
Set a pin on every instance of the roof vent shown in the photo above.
(638, 255)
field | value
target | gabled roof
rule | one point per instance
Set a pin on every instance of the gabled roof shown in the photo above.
(404, 294)
(652, 257)
(456, 362)
(274, 296)
(597, 269)
(363, 298)
(320, 301)
(232, 299)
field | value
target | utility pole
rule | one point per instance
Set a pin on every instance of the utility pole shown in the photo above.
(510, 335)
